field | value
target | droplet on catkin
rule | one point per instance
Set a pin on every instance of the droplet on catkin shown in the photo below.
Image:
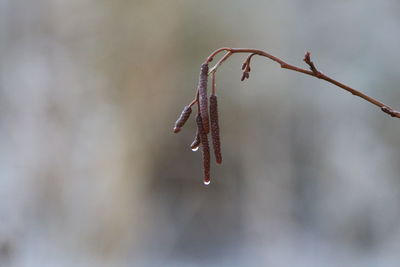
(196, 142)
(206, 181)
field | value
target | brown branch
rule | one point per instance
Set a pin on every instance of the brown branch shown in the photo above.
(201, 99)
(213, 54)
(312, 72)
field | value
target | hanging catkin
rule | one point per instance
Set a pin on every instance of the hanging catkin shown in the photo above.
(203, 99)
(182, 118)
(215, 128)
(206, 149)
(196, 142)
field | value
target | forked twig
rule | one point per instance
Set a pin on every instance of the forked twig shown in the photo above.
(312, 72)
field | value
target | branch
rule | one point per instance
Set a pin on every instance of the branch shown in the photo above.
(204, 120)
(312, 72)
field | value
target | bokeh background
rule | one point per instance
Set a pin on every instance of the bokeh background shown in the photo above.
(92, 175)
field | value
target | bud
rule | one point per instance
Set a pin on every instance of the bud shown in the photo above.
(182, 118)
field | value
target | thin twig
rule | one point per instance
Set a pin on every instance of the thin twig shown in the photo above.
(211, 57)
(219, 63)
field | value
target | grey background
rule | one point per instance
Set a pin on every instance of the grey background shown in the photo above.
(92, 175)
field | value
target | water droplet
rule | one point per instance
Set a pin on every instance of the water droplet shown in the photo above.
(195, 149)
(207, 181)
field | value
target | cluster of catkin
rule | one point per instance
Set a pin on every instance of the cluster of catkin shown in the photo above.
(206, 120)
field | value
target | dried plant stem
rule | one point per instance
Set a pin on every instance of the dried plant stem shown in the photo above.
(312, 72)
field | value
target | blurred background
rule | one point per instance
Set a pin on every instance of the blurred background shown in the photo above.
(92, 175)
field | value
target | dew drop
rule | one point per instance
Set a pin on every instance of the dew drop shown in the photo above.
(195, 149)
(207, 181)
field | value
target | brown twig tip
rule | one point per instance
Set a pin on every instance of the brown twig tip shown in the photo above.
(307, 59)
(390, 111)
(206, 149)
(245, 75)
(203, 99)
(187, 110)
(215, 128)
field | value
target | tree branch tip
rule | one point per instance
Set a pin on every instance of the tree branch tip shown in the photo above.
(390, 111)
(307, 56)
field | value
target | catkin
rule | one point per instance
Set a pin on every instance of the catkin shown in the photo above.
(206, 149)
(182, 118)
(215, 128)
(196, 142)
(203, 99)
